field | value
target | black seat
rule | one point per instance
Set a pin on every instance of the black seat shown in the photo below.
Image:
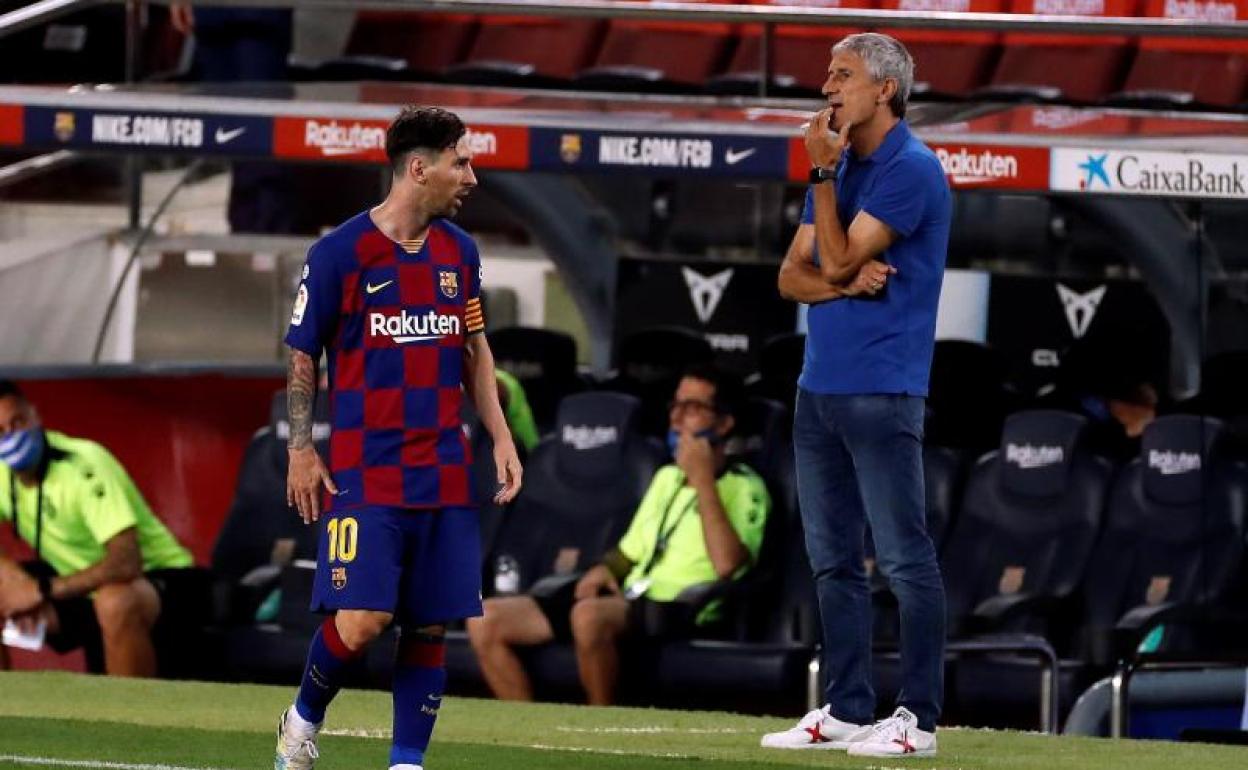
(260, 530)
(545, 363)
(1174, 539)
(779, 365)
(649, 364)
(582, 485)
(1016, 555)
(968, 399)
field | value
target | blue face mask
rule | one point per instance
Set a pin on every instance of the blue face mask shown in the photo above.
(21, 450)
(673, 438)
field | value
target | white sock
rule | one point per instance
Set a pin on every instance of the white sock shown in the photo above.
(405, 767)
(299, 724)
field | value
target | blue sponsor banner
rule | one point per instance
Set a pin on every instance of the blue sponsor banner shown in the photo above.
(659, 153)
(177, 132)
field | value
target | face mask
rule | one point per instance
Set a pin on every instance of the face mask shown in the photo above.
(673, 438)
(21, 450)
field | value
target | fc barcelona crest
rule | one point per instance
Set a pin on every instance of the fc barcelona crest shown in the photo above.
(448, 282)
(63, 125)
(338, 576)
(570, 148)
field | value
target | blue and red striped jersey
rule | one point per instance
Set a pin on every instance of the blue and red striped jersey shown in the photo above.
(393, 319)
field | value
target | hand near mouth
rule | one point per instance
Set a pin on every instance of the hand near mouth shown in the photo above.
(823, 147)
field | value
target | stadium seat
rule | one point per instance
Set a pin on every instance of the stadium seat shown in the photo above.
(1174, 538)
(1028, 519)
(261, 534)
(967, 399)
(390, 45)
(660, 56)
(528, 51)
(800, 53)
(1224, 394)
(1068, 68)
(1170, 552)
(545, 363)
(1170, 72)
(779, 365)
(649, 364)
(949, 63)
(581, 487)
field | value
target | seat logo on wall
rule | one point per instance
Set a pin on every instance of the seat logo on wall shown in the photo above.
(705, 291)
(1080, 308)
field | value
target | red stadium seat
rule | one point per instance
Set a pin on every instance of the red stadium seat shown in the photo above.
(427, 43)
(528, 50)
(949, 63)
(799, 58)
(1199, 72)
(659, 55)
(1075, 68)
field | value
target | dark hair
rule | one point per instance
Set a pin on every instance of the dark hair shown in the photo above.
(729, 392)
(10, 388)
(422, 128)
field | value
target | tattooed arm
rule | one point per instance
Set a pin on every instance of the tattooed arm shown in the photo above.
(307, 472)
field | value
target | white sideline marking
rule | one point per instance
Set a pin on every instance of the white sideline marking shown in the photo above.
(93, 763)
(617, 752)
(655, 729)
(377, 732)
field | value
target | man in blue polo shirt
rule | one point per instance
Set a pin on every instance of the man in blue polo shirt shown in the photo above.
(868, 259)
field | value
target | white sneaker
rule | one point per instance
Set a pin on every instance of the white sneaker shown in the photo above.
(296, 746)
(817, 730)
(897, 736)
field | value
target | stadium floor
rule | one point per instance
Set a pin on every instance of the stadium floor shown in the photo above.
(96, 723)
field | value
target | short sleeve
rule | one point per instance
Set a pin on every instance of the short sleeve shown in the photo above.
(747, 508)
(474, 316)
(808, 208)
(105, 506)
(634, 544)
(902, 193)
(318, 303)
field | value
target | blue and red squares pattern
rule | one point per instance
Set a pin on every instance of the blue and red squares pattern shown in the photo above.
(393, 324)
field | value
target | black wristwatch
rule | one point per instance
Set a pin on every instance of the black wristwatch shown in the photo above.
(819, 174)
(45, 587)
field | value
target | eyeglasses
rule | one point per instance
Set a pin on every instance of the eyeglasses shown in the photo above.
(690, 404)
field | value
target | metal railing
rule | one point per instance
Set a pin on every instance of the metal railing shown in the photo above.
(766, 15)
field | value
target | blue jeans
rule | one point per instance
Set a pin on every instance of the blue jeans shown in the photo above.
(860, 459)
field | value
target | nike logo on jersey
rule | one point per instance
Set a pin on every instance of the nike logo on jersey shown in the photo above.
(371, 289)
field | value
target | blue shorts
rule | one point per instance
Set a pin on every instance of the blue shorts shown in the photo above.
(423, 566)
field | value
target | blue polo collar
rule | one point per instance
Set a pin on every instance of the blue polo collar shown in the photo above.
(896, 137)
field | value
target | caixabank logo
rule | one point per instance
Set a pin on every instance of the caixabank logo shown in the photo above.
(1165, 174)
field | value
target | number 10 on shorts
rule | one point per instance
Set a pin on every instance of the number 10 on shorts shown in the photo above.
(343, 536)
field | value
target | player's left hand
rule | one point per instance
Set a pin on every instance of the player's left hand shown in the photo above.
(507, 461)
(19, 594)
(822, 146)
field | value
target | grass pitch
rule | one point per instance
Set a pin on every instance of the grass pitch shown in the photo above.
(95, 723)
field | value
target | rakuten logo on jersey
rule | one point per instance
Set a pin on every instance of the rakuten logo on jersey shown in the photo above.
(413, 327)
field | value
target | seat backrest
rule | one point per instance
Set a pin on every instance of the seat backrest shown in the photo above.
(942, 483)
(428, 42)
(949, 36)
(967, 398)
(1223, 11)
(1029, 515)
(649, 364)
(555, 47)
(801, 51)
(260, 528)
(1175, 523)
(683, 52)
(581, 487)
(545, 363)
(779, 366)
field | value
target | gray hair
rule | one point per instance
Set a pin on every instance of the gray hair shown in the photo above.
(885, 58)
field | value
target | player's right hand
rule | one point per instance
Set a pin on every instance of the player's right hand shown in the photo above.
(304, 478)
(591, 584)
